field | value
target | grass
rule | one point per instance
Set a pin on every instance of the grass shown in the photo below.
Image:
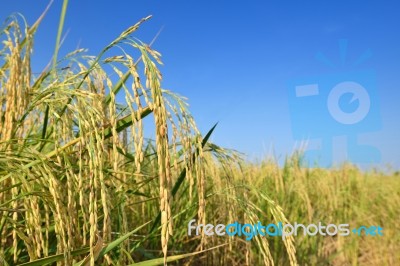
(82, 184)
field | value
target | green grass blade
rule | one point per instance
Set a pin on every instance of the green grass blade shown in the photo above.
(160, 261)
(111, 245)
(54, 258)
(117, 242)
(118, 86)
(126, 122)
(46, 119)
(59, 33)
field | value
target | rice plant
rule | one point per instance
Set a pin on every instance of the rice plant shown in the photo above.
(83, 182)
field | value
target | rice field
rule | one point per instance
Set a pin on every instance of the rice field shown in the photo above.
(82, 183)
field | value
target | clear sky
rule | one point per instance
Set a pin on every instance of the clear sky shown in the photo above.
(270, 72)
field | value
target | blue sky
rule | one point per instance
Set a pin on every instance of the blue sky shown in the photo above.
(239, 64)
